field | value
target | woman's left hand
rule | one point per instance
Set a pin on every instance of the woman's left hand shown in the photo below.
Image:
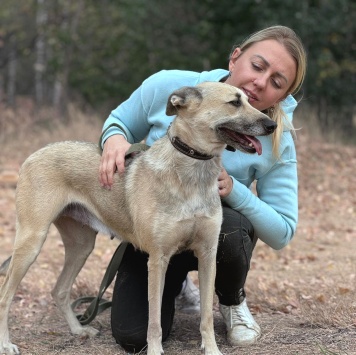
(224, 183)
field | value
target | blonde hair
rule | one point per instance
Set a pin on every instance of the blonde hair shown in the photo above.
(289, 39)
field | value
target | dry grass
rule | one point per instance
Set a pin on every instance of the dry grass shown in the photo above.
(302, 296)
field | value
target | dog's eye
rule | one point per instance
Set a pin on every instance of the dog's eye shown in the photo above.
(236, 103)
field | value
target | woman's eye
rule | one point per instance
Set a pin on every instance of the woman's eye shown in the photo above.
(276, 84)
(256, 67)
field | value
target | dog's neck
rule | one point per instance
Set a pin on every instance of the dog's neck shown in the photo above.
(186, 149)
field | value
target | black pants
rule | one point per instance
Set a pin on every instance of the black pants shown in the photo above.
(129, 314)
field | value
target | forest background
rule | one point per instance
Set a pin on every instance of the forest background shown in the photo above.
(64, 65)
(97, 52)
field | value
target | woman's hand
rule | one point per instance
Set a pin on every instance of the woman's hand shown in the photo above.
(112, 159)
(224, 183)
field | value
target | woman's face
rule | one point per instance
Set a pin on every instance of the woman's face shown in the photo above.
(265, 72)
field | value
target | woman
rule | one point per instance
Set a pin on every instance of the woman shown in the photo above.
(269, 66)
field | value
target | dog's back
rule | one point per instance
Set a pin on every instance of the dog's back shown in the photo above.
(62, 179)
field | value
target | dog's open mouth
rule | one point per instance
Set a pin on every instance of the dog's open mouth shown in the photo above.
(241, 141)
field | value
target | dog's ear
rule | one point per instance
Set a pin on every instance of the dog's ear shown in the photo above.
(184, 97)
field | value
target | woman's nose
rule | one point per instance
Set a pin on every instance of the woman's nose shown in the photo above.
(260, 82)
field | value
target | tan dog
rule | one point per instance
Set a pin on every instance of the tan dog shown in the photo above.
(166, 201)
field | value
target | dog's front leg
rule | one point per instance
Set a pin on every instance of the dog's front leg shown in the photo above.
(157, 267)
(207, 273)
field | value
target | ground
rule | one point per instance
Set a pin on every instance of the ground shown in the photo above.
(303, 296)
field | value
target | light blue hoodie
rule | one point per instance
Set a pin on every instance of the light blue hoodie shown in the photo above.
(274, 213)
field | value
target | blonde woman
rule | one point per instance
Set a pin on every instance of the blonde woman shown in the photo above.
(269, 66)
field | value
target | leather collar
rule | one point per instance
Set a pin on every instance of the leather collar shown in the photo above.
(185, 149)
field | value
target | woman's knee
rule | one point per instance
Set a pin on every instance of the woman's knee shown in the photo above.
(235, 223)
(236, 233)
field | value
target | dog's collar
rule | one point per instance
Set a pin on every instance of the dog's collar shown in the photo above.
(185, 149)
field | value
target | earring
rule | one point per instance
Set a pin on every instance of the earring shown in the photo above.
(230, 74)
(271, 110)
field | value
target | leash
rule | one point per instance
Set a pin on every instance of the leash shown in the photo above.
(99, 304)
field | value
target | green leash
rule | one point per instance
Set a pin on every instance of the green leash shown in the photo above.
(99, 304)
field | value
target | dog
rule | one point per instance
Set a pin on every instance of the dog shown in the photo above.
(166, 201)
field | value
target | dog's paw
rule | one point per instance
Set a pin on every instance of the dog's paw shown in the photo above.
(152, 351)
(214, 352)
(154, 347)
(8, 348)
(84, 332)
(210, 350)
(92, 332)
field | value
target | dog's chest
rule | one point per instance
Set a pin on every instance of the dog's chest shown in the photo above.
(189, 226)
(195, 210)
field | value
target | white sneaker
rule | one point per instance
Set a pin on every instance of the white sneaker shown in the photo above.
(242, 329)
(188, 300)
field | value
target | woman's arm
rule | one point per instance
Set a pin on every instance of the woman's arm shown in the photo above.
(126, 124)
(274, 212)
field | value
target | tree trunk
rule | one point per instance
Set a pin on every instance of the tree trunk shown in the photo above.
(40, 64)
(2, 89)
(12, 73)
(69, 24)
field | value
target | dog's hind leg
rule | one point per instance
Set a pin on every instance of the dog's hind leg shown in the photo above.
(28, 243)
(79, 241)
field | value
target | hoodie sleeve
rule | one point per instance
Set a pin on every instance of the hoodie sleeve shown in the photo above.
(274, 211)
(128, 119)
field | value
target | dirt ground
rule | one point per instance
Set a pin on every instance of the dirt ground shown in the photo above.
(303, 296)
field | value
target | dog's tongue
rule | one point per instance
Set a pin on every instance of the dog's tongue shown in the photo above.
(256, 143)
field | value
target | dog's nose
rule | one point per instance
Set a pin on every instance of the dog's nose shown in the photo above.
(269, 125)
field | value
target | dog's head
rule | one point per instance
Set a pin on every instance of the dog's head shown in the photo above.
(225, 110)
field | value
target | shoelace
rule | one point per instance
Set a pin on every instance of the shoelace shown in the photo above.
(239, 318)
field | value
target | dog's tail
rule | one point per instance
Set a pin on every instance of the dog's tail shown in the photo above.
(4, 266)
